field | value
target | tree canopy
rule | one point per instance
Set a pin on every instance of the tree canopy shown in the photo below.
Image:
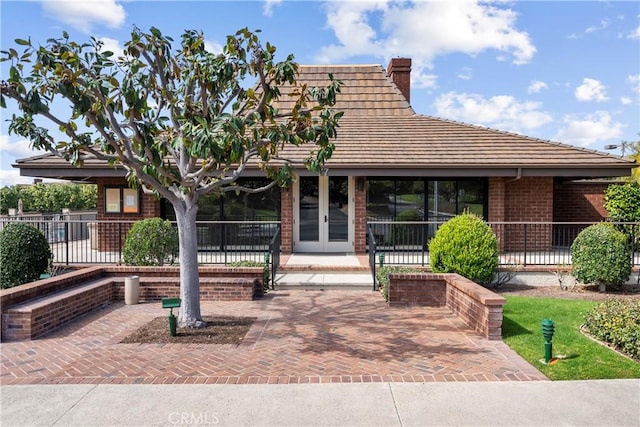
(182, 122)
(48, 198)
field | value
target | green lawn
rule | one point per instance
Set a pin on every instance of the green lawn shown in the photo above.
(521, 330)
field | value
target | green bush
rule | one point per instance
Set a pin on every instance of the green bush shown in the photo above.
(617, 322)
(601, 254)
(266, 274)
(152, 241)
(24, 254)
(622, 202)
(465, 245)
(382, 276)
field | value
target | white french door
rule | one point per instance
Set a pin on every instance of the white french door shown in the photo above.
(323, 214)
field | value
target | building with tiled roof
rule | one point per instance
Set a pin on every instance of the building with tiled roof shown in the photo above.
(391, 163)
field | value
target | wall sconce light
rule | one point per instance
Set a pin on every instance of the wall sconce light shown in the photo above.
(360, 183)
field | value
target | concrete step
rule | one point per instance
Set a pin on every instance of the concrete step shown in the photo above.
(324, 280)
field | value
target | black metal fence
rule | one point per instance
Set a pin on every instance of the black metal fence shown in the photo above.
(372, 248)
(75, 241)
(274, 251)
(520, 243)
(88, 241)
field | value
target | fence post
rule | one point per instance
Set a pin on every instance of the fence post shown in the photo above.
(66, 239)
(525, 245)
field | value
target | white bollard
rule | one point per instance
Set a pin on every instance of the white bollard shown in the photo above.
(131, 290)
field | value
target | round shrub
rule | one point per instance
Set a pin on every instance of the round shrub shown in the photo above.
(24, 254)
(465, 245)
(601, 254)
(152, 241)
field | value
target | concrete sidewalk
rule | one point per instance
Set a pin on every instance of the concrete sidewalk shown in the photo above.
(538, 403)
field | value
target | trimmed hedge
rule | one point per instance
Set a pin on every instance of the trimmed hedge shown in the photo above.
(152, 241)
(601, 254)
(465, 245)
(617, 322)
(24, 254)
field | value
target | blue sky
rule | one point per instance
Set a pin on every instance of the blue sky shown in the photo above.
(564, 71)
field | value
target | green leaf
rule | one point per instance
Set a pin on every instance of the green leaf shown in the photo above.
(23, 42)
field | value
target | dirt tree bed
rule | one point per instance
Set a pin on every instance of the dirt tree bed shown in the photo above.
(589, 292)
(219, 330)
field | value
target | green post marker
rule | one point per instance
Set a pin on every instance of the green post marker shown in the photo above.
(381, 259)
(171, 303)
(548, 329)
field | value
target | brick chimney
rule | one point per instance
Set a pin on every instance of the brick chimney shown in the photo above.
(399, 70)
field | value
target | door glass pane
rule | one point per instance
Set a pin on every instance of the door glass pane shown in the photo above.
(338, 209)
(309, 209)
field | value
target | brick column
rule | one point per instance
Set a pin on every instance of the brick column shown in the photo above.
(360, 220)
(286, 220)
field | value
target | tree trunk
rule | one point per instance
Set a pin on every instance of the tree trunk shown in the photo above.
(189, 276)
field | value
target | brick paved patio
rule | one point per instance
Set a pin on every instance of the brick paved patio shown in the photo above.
(299, 337)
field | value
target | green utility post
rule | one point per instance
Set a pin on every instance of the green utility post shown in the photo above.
(171, 303)
(381, 259)
(548, 328)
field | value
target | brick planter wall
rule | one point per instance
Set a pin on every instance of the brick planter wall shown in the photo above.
(478, 307)
(34, 309)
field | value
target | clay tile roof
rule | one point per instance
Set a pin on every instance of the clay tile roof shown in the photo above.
(381, 134)
(366, 90)
(380, 130)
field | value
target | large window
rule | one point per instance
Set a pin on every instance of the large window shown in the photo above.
(240, 206)
(402, 199)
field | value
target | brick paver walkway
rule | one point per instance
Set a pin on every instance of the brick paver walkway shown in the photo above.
(299, 337)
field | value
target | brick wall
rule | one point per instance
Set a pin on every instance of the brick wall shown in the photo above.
(579, 202)
(528, 199)
(111, 236)
(478, 307)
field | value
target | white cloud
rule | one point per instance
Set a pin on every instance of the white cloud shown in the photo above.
(12, 176)
(213, 46)
(624, 100)
(591, 90)
(10, 152)
(593, 28)
(589, 129)
(465, 74)
(634, 34)
(536, 86)
(17, 150)
(111, 45)
(503, 112)
(84, 15)
(634, 81)
(423, 31)
(267, 9)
